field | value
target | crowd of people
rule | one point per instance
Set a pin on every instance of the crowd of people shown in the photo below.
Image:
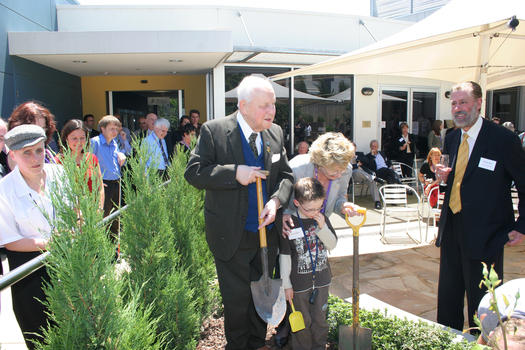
(30, 162)
(298, 195)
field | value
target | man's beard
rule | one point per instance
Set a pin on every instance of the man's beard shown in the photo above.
(468, 121)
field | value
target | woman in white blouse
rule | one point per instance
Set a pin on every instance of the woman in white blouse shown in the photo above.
(24, 194)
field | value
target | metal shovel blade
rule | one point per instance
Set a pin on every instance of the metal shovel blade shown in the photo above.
(270, 306)
(355, 338)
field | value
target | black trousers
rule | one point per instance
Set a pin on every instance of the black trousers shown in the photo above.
(30, 313)
(460, 274)
(243, 327)
(389, 175)
(111, 202)
(408, 159)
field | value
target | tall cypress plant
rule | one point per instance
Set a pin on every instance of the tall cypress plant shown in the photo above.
(85, 294)
(187, 220)
(158, 255)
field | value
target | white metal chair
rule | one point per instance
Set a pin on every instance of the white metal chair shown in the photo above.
(395, 202)
(358, 185)
(434, 211)
(410, 180)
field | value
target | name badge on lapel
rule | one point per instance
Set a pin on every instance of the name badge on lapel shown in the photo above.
(276, 157)
(487, 164)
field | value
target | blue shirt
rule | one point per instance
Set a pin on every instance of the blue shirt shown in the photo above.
(125, 147)
(107, 155)
(152, 143)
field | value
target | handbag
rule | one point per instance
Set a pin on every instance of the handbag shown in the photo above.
(433, 199)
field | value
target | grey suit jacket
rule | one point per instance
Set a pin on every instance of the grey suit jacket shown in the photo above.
(302, 167)
(213, 166)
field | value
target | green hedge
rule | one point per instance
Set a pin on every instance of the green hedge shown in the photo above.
(391, 332)
(165, 287)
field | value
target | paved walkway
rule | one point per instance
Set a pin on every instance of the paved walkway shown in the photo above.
(401, 274)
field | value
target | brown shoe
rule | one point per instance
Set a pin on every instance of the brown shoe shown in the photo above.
(264, 348)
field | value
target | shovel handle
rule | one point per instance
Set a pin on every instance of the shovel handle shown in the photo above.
(291, 303)
(260, 206)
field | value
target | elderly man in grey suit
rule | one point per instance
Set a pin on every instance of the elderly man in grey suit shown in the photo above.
(225, 162)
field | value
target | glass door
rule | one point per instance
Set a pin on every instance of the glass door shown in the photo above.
(415, 106)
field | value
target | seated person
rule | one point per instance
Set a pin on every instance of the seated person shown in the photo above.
(360, 173)
(510, 305)
(427, 174)
(378, 162)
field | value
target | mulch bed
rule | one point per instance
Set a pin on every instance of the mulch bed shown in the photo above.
(212, 337)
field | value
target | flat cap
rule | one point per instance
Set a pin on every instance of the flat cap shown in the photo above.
(24, 136)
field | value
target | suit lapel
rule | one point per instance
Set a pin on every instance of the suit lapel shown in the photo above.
(267, 142)
(480, 147)
(234, 139)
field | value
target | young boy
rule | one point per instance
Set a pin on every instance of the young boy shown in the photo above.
(308, 246)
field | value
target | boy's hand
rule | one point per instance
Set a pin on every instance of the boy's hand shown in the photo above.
(319, 217)
(288, 293)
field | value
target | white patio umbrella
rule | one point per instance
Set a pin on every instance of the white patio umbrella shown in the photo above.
(464, 40)
(282, 92)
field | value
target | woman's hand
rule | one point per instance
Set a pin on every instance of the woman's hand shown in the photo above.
(287, 225)
(350, 209)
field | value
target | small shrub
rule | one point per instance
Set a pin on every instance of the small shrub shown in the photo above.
(391, 332)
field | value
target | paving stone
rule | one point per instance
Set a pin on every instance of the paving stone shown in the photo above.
(430, 315)
(430, 251)
(392, 283)
(337, 289)
(423, 263)
(414, 302)
(385, 273)
(383, 263)
(417, 283)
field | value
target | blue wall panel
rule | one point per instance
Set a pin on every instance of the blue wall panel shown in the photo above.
(22, 80)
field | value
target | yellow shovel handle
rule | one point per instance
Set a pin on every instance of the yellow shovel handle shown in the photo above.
(291, 303)
(356, 228)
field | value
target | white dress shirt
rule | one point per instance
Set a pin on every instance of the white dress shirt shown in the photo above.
(20, 206)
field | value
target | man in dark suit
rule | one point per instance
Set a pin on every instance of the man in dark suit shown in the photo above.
(377, 161)
(224, 163)
(477, 218)
(89, 122)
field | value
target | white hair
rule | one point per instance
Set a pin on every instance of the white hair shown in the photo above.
(248, 85)
(161, 122)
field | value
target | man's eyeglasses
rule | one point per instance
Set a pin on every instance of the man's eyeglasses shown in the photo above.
(312, 210)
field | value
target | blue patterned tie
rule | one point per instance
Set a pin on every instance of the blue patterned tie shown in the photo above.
(163, 153)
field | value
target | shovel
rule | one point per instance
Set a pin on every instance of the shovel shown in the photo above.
(355, 337)
(296, 319)
(268, 294)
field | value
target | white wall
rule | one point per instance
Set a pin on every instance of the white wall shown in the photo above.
(286, 30)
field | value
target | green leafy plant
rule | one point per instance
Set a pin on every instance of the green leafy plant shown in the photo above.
(390, 332)
(491, 281)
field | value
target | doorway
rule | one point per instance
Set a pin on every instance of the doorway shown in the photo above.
(413, 105)
(131, 105)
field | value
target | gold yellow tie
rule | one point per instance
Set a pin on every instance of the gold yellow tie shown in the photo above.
(461, 165)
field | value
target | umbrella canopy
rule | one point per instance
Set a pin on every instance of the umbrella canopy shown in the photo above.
(464, 40)
(281, 92)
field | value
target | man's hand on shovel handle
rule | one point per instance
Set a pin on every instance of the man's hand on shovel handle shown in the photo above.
(247, 174)
(269, 211)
